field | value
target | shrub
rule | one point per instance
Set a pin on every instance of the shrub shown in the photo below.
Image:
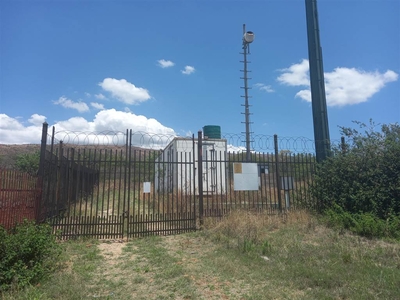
(28, 253)
(365, 224)
(28, 163)
(358, 188)
(365, 178)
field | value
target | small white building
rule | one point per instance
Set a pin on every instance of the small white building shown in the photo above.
(176, 169)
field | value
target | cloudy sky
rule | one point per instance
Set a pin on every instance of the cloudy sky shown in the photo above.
(171, 67)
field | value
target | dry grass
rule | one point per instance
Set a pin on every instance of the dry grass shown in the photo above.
(315, 261)
(246, 255)
(255, 226)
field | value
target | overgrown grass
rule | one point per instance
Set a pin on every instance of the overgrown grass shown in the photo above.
(314, 261)
(75, 278)
(243, 256)
(364, 224)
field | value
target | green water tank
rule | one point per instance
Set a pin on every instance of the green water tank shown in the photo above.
(212, 131)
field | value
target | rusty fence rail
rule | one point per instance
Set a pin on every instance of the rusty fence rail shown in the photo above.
(20, 194)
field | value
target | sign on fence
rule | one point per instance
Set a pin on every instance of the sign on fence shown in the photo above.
(245, 176)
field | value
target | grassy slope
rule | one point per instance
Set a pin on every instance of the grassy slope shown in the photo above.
(302, 260)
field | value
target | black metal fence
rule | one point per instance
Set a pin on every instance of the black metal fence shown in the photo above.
(123, 191)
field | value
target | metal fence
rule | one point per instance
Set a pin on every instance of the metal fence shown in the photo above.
(105, 186)
(118, 190)
(20, 195)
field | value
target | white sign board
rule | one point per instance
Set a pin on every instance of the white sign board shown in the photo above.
(146, 187)
(245, 177)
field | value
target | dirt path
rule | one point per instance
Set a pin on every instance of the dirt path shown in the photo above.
(172, 267)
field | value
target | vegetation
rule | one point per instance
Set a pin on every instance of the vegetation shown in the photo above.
(359, 186)
(28, 163)
(28, 253)
(243, 256)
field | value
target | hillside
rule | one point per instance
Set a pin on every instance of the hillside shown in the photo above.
(9, 153)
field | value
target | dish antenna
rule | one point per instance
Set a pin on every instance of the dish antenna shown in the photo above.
(248, 37)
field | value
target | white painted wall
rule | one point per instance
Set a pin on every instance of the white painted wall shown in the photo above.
(175, 170)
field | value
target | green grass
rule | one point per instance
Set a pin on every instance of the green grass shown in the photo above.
(245, 256)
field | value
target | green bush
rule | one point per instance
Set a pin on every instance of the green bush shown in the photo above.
(28, 253)
(365, 178)
(28, 163)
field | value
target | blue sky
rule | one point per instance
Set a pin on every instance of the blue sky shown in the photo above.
(174, 66)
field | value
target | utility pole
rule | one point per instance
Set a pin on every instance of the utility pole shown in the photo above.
(248, 37)
(317, 82)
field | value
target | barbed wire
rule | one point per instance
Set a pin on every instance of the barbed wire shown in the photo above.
(157, 141)
(261, 142)
(113, 138)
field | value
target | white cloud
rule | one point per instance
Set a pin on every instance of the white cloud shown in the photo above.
(97, 105)
(7, 123)
(67, 103)
(125, 91)
(264, 87)
(13, 131)
(296, 74)
(235, 149)
(343, 86)
(115, 120)
(188, 70)
(351, 86)
(37, 120)
(73, 124)
(305, 95)
(100, 96)
(165, 63)
(87, 94)
(147, 132)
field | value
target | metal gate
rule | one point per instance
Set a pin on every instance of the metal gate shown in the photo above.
(161, 194)
(115, 192)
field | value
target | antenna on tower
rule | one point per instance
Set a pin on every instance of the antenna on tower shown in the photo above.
(248, 38)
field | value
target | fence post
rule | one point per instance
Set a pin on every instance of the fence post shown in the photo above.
(200, 175)
(278, 179)
(194, 179)
(127, 187)
(59, 180)
(53, 132)
(43, 148)
(39, 186)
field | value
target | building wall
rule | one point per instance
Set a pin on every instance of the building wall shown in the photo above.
(176, 167)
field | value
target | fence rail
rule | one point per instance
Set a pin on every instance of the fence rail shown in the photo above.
(20, 195)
